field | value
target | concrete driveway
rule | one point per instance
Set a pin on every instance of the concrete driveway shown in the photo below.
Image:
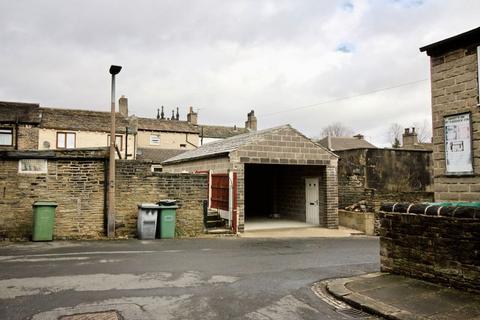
(178, 279)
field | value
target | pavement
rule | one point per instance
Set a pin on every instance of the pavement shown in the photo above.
(398, 297)
(300, 232)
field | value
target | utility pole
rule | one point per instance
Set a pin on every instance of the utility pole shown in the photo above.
(114, 70)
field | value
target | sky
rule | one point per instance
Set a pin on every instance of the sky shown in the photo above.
(308, 63)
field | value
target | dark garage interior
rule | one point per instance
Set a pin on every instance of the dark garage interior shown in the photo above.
(278, 191)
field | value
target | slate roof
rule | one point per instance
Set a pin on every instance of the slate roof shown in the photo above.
(471, 37)
(228, 145)
(345, 143)
(166, 125)
(82, 120)
(157, 155)
(220, 132)
(23, 112)
(85, 120)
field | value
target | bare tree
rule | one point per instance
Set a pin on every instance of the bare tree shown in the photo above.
(395, 134)
(336, 129)
(424, 131)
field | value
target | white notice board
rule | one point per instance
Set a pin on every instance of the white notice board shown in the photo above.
(458, 144)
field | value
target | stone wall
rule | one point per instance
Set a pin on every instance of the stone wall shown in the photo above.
(439, 244)
(75, 179)
(27, 137)
(362, 221)
(379, 175)
(455, 90)
(136, 184)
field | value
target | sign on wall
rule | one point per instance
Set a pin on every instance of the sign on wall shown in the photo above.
(458, 144)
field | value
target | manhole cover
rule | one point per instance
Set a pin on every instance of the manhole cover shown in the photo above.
(104, 315)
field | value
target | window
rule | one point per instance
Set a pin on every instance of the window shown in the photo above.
(65, 140)
(32, 166)
(118, 141)
(156, 168)
(183, 145)
(155, 139)
(6, 137)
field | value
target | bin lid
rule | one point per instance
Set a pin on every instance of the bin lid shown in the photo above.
(44, 203)
(169, 207)
(167, 202)
(148, 206)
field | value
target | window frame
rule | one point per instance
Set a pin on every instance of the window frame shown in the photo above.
(11, 136)
(43, 170)
(65, 134)
(151, 142)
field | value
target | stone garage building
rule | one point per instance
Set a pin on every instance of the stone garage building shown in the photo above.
(275, 172)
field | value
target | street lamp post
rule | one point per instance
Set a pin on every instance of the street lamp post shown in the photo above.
(114, 70)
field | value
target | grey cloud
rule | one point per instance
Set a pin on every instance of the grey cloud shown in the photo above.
(227, 57)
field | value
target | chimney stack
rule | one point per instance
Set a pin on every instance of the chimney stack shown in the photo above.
(123, 106)
(192, 116)
(410, 139)
(251, 122)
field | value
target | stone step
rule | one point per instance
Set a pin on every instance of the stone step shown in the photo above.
(215, 223)
(219, 231)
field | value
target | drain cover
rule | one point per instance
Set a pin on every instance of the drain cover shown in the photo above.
(354, 313)
(104, 315)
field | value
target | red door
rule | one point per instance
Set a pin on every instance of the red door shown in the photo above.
(219, 185)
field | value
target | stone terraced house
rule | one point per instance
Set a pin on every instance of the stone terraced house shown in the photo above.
(27, 126)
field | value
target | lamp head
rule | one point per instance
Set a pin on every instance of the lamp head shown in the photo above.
(115, 69)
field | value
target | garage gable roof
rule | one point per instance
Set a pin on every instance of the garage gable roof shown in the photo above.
(228, 145)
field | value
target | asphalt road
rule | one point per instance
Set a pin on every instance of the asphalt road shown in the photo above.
(179, 279)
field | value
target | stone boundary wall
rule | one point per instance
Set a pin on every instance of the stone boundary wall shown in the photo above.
(384, 175)
(361, 221)
(438, 244)
(135, 183)
(75, 179)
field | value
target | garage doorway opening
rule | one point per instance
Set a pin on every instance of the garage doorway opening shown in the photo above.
(276, 196)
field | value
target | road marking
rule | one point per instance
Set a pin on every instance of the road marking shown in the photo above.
(88, 253)
(12, 288)
(47, 259)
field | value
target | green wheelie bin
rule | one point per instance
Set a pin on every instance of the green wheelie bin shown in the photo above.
(168, 218)
(43, 220)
